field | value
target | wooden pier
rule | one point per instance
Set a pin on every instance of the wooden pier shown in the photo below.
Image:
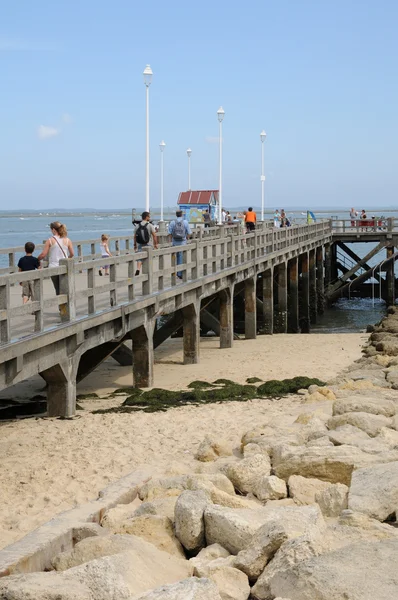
(278, 271)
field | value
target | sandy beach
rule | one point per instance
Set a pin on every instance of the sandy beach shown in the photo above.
(51, 465)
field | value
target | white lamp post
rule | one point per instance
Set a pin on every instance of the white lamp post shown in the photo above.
(189, 152)
(147, 80)
(161, 146)
(220, 115)
(263, 135)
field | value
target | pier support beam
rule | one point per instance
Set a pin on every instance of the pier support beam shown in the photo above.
(250, 309)
(191, 333)
(61, 389)
(312, 283)
(293, 309)
(320, 288)
(304, 295)
(328, 265)
(268, 301)
(281, 312)
(226, 318)
(142, 356)
(390, 279)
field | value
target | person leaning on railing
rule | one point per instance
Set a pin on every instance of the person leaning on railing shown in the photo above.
(57, 247)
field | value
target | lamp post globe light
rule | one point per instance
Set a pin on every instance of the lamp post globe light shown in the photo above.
(189, 152)
(220, 116)
(263, 135)
(147, 80)
(161, 146)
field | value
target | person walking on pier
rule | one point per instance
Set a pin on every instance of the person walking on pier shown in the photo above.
(143, 235)
(105, 252)
(353, 217)
(28, 263)
(179, 232)
(57, 247)
(250, 219)
(207, 218)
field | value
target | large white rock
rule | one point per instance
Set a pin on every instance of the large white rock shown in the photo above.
(316, 542)
(328, 464)
(303, 490)
(117, 577)
(232, 528)
(371, 424)
(189, 521)
(213, 448)
(156, 530)
(245, 473)
(163, 507)
(269, 487)
(232, 584)
(189, 589)
(287, 523)
(333, 500)
(363, 404)
(174, 486)
(356, 572)
(96, 547)
(374, 491)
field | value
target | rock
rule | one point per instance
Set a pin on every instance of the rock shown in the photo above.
(219, 480)
(119, 513)
(314, 429)
(91, 548)
(163, 507)
(389, 437)
(313, 388)
(211, 449)
(223, 499)
(370, 423)
(318, 397)
(287, 523)
(251, 449)
(367, 524)
(189, 589)
(231, 583)
(271, 435)
(362, 404)
(347, 434)
(374, 491)
(86, 530)
(117, 577)
(376, 377)
(232, 528)
(303, 490)
(328, 464)
(156, 530)
(270, 487)
(245, 473)
(312, 544)
(174, 486)
(189, 522)
(321, 441)
(333, 500)
(327, 393)
(209, 554)
(358, 571)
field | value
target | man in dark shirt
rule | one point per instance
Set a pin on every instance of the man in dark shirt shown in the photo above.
(28, 263)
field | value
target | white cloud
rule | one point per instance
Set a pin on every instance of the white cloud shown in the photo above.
(45, 132)
(67, 118)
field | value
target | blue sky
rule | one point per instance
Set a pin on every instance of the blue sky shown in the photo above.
(318, 76)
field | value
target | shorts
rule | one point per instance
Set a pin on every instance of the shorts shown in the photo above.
(27, 290)
(250, 226)
(143, 247)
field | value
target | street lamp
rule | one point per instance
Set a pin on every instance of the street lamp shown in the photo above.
(263, 135)
(220, 115)
(189, 152)
(161, 146)
(147, 80)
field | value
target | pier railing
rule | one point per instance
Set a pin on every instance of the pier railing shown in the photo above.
(361, 226)
(120, 244)
(83, 293)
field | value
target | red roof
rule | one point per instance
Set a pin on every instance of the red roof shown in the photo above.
(197, 196)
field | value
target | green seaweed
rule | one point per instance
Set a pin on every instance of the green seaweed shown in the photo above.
(87, 396)
(199, 385)
(158, 399)
(253, 380)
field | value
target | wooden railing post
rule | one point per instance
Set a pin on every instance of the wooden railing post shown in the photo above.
(91, 290)
(67, 286)
(4, 306)
(38, 297)
(113, 280)
(147, 269)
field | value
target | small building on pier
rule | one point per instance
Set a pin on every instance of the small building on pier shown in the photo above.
(194, 202)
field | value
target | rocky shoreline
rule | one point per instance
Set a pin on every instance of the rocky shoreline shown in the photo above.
(298, 511)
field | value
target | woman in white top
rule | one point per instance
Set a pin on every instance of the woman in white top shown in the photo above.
(57, 247)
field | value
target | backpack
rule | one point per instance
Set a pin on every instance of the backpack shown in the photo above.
(179, 232)
(142, 234)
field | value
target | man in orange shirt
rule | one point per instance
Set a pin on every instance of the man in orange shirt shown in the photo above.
(250, 219)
